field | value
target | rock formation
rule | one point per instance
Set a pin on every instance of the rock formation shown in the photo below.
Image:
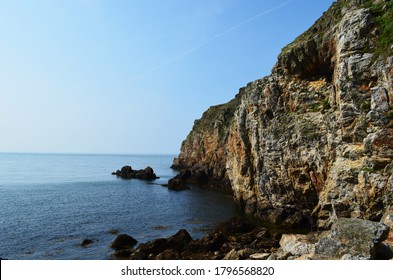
(127, 172)
(313, 141)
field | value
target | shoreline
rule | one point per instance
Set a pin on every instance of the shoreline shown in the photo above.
(241, 239)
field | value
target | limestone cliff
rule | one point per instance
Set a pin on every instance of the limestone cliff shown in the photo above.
(313, 141)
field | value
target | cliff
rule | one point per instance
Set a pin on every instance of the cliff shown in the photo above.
(313, 141)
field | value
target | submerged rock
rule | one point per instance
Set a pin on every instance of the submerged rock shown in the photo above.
(86, 242)
(127, 172)
(113, 231)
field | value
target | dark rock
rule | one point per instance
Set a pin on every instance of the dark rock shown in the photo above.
(214, 241)
(179, 240)
(123, 241)
(86, 242)
(168, 254)
(177, 183)
(383, 251)
(123, 254)
(237, 234)
(126, 169)
(234, 225)
(127, 172)
(153, 247)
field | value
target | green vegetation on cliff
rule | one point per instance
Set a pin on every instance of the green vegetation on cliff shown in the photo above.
(383, 12)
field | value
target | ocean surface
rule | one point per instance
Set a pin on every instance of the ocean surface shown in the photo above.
(50, 203)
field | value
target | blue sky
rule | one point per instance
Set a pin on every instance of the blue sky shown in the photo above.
(86, 76)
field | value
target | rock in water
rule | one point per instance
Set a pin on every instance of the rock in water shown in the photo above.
(123, 241)
(86, 242)
(127, 172)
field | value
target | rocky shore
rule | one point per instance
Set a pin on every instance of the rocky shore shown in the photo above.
(240, 239)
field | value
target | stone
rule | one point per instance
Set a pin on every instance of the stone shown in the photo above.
(259, 256)
(387, 219)
(123, 241)
(355, 237)
(177, 183)
(239, 254)
(179, 240)
(296, 244)
(86, 242)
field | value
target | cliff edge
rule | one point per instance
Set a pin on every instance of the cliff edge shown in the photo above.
(313, 141)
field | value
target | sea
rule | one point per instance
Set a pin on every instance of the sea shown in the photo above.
(50, 203)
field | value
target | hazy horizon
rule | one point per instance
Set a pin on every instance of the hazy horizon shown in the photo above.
(130, 77)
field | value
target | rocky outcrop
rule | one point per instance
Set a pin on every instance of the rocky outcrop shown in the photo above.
(122, 245)
(239, 239)
(313, 141)
(86, 242)
(233, 239)
(204, 156)
(127, 172)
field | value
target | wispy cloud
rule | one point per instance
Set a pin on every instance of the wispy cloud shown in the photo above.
(213, 38)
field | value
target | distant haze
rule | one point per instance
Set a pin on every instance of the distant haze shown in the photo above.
(85, 76)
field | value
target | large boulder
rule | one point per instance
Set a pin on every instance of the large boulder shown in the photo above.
(352, 239)
(171, 246)
(123, 242)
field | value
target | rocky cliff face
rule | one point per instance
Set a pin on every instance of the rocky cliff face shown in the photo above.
(313, 141)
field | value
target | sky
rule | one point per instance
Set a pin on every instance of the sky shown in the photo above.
(127, 76)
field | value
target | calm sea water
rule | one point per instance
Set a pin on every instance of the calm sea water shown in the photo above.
(50, 203)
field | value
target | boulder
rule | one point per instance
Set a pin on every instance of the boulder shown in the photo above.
(123, 241)
(152, 249)
(352, 239)
(179, 240)
(86, 242)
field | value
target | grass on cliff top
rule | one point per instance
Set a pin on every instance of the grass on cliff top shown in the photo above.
(383, 13)
(318, 29)
(223, 112)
